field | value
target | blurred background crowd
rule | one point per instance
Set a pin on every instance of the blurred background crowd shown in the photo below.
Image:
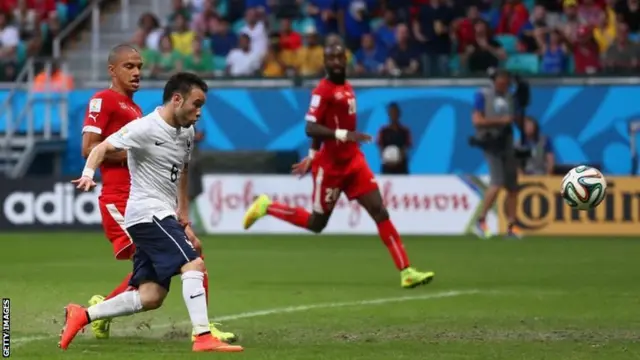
(433, 38)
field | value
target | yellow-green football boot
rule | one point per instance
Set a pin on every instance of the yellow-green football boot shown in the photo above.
(256, 211)
(100, 328)
(223, 336)
(410, 278)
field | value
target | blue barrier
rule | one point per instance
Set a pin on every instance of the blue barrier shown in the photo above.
(586, 123)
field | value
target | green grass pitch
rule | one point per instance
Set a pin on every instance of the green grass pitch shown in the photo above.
(339, 297)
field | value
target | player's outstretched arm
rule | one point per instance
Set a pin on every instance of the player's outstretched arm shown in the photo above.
(94, 160)
(318, 131)
(91, 140)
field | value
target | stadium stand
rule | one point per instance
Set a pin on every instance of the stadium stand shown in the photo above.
(447, 37)
(28, 27)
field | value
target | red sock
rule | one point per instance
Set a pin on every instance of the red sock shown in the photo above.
(124, 285)
(205, 282)
(295, 216)
(392, 240)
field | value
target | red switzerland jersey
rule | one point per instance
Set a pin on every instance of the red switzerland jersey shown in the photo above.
(334, 106)
(108, 112)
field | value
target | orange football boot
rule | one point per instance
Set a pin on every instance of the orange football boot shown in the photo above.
(207, 342)
(75, 319)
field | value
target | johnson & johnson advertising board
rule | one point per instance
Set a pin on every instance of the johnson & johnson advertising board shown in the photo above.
(417, 204)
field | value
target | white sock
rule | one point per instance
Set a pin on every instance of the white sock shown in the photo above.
(123, 304)
(196, 300)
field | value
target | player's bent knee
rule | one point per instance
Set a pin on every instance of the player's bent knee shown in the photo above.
(152, 295)
(317, 223)
(379, 213)
(194, 265)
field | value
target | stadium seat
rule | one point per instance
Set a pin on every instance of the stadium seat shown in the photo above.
(454, 64)
(238, 25)
(222, 8)
(61, 9)
(523, 63)
(571, 64)
(301, 25)
(219, 63)
(530, 4)
(508, 42)
(21, 52)
(206, 43)
(375, 23)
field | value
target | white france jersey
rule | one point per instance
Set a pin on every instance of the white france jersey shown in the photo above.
(157, 153)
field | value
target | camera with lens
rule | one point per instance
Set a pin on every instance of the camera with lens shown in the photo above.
(499, 139)
(492, 139)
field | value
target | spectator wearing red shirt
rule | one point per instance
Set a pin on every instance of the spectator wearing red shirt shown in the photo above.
(44, 8)
(586, 53)
(590, 13)
(464, 28)
(513, 17)
(289, 39)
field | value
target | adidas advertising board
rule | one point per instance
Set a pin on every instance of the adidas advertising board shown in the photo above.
(41, 203)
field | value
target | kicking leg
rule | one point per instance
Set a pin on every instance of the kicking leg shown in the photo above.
(373, 204)
(149, 296)
(326, 191)
(123, 249)
(262, 206)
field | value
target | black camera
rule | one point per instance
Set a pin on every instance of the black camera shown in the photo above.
(493, 140)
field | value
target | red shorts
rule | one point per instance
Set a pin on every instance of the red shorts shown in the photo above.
(354, 179)
(112, 211)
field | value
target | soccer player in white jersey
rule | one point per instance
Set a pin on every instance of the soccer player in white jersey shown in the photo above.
(159, 146)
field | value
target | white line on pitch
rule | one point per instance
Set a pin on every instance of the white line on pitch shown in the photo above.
(290, 309)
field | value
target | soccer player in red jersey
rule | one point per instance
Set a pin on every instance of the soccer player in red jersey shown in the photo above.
(109, 110)
(338, 166)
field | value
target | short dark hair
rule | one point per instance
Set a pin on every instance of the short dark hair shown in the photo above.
(182, 83)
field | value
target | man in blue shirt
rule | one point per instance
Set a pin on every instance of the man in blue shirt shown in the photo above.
(354, 16)
(371, 57)
(323, 13)
(223, 40)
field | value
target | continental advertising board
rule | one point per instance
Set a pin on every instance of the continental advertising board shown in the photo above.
(542, 211)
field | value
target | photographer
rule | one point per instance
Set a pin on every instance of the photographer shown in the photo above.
(493, 118)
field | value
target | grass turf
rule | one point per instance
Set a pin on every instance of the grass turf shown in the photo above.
(339, 297)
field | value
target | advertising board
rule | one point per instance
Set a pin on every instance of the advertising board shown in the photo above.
(542, 211)
(417, 204)
(47, 203)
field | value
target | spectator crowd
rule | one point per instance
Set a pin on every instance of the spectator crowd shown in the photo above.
(275, 38)
(28, 27)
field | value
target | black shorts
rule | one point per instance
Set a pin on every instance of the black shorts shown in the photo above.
(162, 248)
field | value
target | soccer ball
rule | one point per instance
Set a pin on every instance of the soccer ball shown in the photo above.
(391, 155)
(583, 188)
